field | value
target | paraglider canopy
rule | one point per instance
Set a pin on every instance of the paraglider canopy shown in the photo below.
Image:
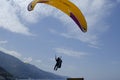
(68, 8)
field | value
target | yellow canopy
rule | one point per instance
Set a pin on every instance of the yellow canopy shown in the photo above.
(67, 7)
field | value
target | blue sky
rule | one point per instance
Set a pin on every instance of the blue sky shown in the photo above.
(36, 37)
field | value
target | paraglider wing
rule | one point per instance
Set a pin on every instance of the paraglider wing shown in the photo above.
(67, 7)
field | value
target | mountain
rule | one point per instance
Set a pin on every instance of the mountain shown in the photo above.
(22, 70)
(4, 75)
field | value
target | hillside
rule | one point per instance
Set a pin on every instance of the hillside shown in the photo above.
(4, 75)
(22, 70)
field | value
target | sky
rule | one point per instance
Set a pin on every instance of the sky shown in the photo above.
(36, 37)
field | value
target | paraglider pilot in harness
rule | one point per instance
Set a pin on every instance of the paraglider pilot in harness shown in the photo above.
(58, 63)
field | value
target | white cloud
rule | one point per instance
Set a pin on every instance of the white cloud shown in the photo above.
(9, 19)
(21, 10)
(3, 42)
(70, 52)
(14, 14)
(38, 61)
(95, 12)
(28, 60)
(11, 52)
